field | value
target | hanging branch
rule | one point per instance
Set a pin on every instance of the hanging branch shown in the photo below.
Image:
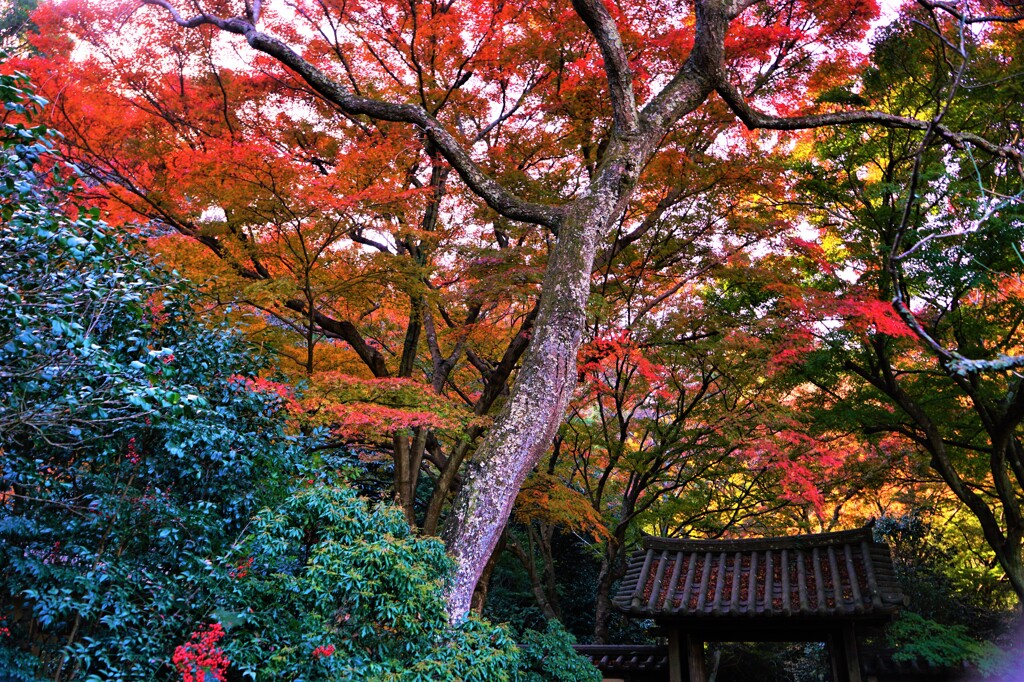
(951, 360)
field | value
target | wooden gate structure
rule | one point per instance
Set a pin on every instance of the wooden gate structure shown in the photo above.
(823, 587)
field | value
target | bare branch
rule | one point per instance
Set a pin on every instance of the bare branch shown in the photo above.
(605, 257)
(991, 209)
(738, 7)
(252, 11)
(951, 9)
(505, 115)
(356, 235)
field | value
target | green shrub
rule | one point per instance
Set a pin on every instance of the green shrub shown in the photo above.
(134, 447)
(548, 656)
(916, 638)
(336, 589)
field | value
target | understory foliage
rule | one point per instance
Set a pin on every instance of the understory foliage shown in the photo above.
(548, 655)
(134, 453)
(329, 587)
(953, 608)
(920, 639)
(157, 518)
(326, 587)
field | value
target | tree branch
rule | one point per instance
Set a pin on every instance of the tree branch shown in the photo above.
(605, 257)
(616, 64)
(753, 119)
(695, 79)
(951, 9)
(492, 192)
(738, 7)
(347, 332)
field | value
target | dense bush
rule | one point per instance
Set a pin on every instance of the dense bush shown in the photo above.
(548, 656)
(135, 449)
(920, 639)
(326, 587)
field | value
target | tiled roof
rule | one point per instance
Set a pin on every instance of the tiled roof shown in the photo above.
(829, 574)
(619, 660)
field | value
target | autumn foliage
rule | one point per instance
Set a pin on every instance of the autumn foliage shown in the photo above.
(702, 269)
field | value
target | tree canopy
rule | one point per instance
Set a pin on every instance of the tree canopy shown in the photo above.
(710, 268)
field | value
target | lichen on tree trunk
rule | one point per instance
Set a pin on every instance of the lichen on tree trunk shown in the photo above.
(525, 427)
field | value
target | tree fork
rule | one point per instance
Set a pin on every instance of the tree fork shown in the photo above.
(525, 427)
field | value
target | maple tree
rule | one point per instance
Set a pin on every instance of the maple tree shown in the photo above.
(695, 426)
(158, 520)
(655, 445)
(938, 232)
(266, 209)
(649, 421)
(14, 24)
(560, 119)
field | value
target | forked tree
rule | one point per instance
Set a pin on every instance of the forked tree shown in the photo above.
(659, 63)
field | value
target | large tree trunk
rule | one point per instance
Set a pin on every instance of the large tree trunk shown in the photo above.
(483, 587)
(524, 429)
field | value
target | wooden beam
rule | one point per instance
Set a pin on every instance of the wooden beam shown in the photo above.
(842, 648)
(835, 656)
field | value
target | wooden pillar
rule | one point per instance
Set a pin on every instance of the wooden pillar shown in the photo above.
(852, 656)
(695, 657)
(842, 648)
(675, 656)
(835, 656)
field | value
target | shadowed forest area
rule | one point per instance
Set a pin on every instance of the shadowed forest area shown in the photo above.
(375, 339)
